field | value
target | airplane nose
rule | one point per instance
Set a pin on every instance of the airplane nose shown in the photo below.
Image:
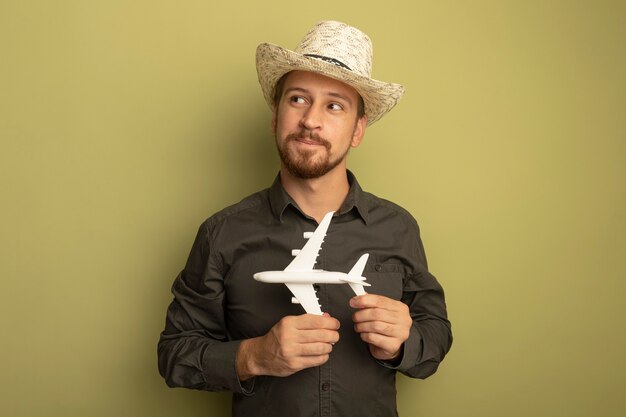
(260, 276)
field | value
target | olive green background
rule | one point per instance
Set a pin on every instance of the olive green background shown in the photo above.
(124, 124)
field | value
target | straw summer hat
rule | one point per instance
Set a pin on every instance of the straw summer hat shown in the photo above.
(335, 50)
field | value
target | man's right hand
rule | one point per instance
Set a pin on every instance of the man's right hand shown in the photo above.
(293, 344)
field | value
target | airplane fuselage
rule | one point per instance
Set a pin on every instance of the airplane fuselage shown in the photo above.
(315, 276)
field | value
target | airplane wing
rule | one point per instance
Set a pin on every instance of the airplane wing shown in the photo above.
(305, 294)
(305, 260)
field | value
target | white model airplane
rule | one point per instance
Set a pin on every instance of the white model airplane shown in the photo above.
(299, 276)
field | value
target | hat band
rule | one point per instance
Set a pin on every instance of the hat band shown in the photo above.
(329, 60)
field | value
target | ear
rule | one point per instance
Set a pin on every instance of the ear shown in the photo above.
(359, 132)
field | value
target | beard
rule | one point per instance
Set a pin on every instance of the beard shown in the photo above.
(302, 163)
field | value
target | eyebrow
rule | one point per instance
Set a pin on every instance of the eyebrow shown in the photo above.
(330, 93)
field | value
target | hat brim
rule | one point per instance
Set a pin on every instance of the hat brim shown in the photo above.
(273, 61)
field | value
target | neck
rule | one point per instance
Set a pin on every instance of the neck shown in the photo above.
(317, 196)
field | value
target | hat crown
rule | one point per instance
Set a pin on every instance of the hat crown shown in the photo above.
(335, 50)
(340, 44)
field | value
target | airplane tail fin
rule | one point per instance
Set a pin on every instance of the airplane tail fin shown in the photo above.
(355, 276)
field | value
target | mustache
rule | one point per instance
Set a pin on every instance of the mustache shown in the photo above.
(314, 137)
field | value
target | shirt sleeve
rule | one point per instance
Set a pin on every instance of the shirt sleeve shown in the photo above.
(430, 337)
(194, 350)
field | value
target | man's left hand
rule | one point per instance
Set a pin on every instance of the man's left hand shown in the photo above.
(383, 323)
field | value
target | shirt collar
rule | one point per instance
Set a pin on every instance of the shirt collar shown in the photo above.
(356, 199)
(279, 199)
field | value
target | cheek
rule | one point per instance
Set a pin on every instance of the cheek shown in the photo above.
(285, 122)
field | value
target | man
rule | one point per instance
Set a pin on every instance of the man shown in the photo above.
(226, 331)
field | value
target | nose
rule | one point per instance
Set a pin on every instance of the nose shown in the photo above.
(312, 118)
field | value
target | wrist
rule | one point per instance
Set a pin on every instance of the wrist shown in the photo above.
(385, 356)
(245, 363)
(396, 358)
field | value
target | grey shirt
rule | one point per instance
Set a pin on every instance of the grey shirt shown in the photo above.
(217, 304)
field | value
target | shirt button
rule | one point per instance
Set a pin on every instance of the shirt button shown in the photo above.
(325, 386)
(378, 267)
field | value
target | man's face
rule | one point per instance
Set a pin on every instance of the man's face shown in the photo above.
(315, 124)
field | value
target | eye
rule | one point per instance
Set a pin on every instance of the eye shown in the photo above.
(297, 99)
(335, 106)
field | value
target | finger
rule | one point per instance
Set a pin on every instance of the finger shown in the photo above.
(378, 314)
(376, 301)
(390, 345)
(315, 336)
(379, 327)
(312, 321)
(400, 333)
(290, 365)
(312, 361)
(315, 349)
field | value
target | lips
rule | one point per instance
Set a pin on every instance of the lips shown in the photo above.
(307, 141)
(311, 140)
